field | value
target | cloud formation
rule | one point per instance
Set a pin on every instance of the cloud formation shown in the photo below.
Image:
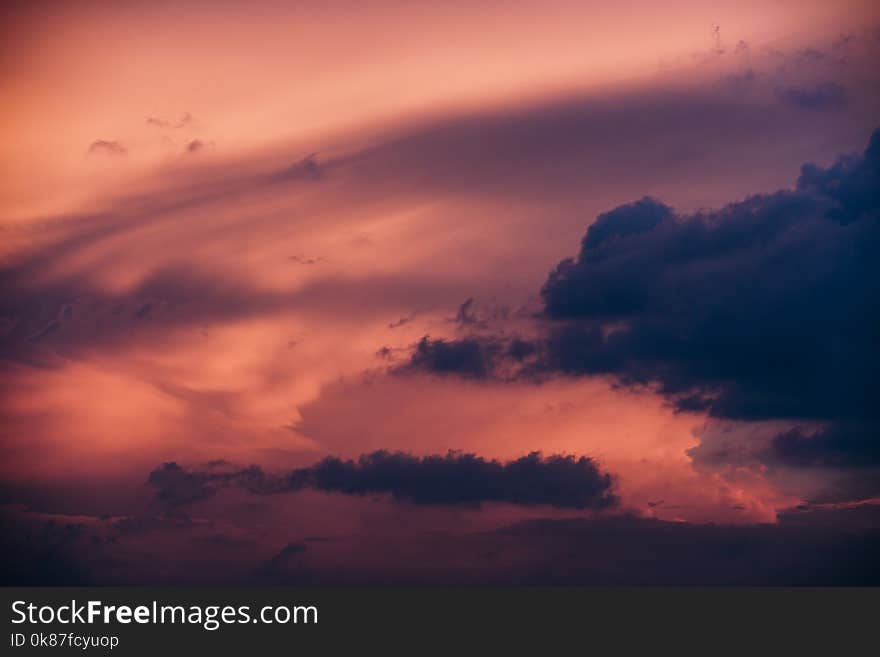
(762, 310)
(452, 479)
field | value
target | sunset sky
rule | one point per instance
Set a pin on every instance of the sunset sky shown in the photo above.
(450, 292)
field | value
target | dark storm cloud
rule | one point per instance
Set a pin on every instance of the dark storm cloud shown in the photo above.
(764, 309)
(452, 479)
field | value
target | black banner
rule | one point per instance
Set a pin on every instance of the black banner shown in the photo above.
(151, 621)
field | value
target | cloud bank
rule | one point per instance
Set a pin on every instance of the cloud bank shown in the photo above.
(452, 479)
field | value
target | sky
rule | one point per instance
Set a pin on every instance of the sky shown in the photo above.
(464, 292)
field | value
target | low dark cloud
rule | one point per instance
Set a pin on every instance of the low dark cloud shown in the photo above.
(811, 546)
(458, 478)
(50, 554)
(452, 479)
(808, 545)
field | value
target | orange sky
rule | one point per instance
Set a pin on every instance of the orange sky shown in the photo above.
(256, 76)
(192, 307)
